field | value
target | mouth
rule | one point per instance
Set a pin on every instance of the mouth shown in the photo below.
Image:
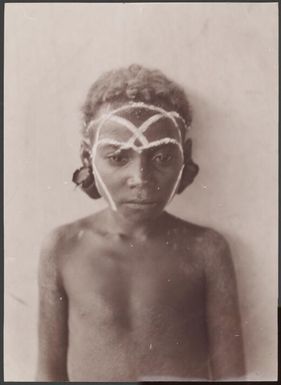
(140, 203)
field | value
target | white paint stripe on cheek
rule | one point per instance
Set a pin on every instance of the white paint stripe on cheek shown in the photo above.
(175, 185)
(105, 189)
(97, 174)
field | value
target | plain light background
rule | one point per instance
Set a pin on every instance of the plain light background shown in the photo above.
(225, 56)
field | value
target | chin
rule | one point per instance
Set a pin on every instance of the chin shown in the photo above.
(137, 212)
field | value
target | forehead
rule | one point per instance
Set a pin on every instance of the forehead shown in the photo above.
(138, 123)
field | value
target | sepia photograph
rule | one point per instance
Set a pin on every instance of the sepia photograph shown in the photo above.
(140, 192)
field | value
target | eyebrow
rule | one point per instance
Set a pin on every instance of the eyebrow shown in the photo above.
(112, 143)
(127, 145)
(113, 148)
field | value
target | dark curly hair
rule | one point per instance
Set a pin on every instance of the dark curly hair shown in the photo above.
(135, 83)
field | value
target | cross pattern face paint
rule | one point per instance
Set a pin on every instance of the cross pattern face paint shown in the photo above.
(137, 134)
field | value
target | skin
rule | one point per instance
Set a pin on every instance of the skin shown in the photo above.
(137, 293)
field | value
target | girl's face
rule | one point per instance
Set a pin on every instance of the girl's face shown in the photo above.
(137, 161)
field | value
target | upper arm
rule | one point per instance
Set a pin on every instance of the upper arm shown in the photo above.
(222, 309)
(52, 330)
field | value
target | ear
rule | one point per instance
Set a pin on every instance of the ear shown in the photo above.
(85, 154)
(190, 168)
(84, 176)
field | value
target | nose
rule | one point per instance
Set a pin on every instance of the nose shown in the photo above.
(139, 173)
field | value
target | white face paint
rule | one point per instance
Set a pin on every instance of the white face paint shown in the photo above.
(137, 134)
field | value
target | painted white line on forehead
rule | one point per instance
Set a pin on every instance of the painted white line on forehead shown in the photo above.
(172, 115)
(147, 123)
(131, 127)
(138, 132)
(139, 149)
(169, 114)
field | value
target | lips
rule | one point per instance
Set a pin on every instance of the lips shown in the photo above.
(140, 203)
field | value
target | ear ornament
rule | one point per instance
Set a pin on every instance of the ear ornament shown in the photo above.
(84, 178)
(189, 173)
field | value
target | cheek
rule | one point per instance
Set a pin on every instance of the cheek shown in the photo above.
(112, 181)
(110, 178)
(168, 174)
(168, 180)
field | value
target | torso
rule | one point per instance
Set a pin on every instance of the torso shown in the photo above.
(136, 309)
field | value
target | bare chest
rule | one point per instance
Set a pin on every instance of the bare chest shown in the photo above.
(135, 291)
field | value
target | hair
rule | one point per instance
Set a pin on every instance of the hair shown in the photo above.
(135, 83)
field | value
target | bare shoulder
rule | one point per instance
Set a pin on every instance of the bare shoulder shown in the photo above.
(64, 236)
(216, 252)
(203, 241)
(213, 242)
(59, 243)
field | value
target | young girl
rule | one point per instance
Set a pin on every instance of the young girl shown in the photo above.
(132, 292)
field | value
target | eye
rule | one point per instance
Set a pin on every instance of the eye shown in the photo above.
(163, 158)
(118, 159)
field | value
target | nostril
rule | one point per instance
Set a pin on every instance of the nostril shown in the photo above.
(135, 180)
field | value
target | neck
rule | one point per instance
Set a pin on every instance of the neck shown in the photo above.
(131, 228)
